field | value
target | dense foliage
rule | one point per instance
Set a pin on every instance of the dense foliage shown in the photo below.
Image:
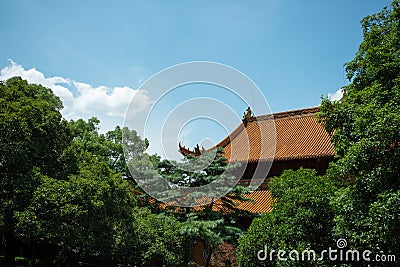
(212, 223)
(365, 125)
(66, 193)
(33, 137)
(301, 219)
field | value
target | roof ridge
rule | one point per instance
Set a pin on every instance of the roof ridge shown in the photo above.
(298, 113)
(290, 113)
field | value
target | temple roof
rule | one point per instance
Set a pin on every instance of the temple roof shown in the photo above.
(260, 201)
(299, 135)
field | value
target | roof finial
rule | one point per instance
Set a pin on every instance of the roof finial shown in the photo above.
(197, 149)
(247, 116)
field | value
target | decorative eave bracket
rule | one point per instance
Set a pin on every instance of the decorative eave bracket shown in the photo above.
(186, 151)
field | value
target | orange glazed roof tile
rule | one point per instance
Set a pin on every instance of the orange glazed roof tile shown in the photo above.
(262, 202)
(299, 135)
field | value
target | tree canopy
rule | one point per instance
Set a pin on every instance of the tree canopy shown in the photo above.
(312, 212)
(301, 219)
(365, 125)
(211, 223)
(33, 136)
(67, 195)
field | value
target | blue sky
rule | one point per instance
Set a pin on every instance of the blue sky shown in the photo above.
(95, 54)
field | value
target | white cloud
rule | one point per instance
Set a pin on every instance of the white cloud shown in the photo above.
(82, 100)
(34, 76)
(111, 102)
(336, 96)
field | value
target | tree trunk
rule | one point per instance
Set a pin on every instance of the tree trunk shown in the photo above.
(208, 260)
(10, 248)
(10, 244)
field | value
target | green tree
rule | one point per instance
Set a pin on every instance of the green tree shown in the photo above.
(365, 125)
(64, 188)
(92, 218)
(301, 219)
(91, 215)
(220, 216)
(33, 135)
(108, 147)
(79, 217)
(156, 240)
